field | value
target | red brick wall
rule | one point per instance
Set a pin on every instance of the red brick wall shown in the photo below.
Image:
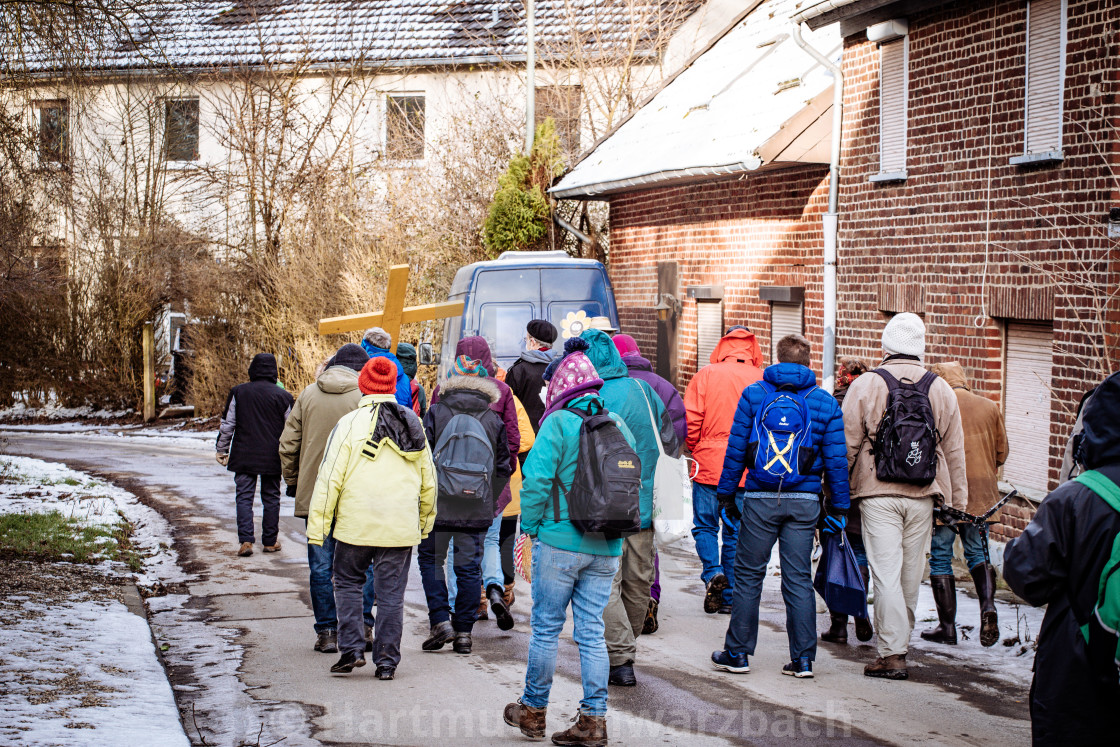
(1048, 245)
(764, 229)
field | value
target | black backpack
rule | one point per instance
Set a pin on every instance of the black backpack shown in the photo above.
(604, 496)
(905, 445)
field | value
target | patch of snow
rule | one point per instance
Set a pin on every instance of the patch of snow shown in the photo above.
(54, 411)
(201, 440)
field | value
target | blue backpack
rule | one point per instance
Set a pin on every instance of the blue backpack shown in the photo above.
(780, 454)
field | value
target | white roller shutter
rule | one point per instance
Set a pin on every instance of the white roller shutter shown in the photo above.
(709, 329)
(1026, 404)
(893, 88)
(1046, 52)
(785, 319)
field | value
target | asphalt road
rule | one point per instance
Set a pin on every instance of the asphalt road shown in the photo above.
(239, 636)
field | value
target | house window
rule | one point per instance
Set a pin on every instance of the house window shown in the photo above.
(1026, 404)
(180, 130)
(54, 131)
(1046, 63)
(562, 103)
(785, 319)
(709, 330)
(404, 128)
(893, 92)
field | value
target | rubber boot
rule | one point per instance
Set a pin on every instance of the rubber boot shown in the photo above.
(945, 596)
(985, 577)
(864, 629)
(838, 632)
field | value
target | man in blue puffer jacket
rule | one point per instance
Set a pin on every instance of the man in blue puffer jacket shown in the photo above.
(787, 516)
(377, 343)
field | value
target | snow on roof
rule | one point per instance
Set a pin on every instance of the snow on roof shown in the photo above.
(222, 33)
(717, 113)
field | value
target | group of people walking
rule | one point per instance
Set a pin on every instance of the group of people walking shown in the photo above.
(564, 446)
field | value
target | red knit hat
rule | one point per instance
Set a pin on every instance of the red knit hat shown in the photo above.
(378, 376)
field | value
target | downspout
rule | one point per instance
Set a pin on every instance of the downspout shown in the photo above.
(530, 75)
(572, 230)
(831, 218)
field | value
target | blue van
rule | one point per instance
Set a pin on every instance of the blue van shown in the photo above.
(501, 296)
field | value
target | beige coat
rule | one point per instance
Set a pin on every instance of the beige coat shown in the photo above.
(318, 408)
(863, 409)
(985, 440)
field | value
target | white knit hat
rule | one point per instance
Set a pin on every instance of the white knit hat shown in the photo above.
(905, 334)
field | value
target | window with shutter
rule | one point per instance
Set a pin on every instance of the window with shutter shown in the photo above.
(1026, 404)
(1046, 53)
(709, 330)
(893, 91)
(785, 319)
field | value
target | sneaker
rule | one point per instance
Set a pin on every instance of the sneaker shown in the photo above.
(272, 548)
(729, 662)
(801, 668)
(327, 642)
(348, 662)
(441, 634)
(245, 550)
(713, 596)
(725, 609)
(623, 675)
(462, 644)
(385, 672)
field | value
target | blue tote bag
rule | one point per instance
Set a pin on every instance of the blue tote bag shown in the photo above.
(838, 578)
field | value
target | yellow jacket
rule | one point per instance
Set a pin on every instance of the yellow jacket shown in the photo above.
(513, 508)
(376, 485)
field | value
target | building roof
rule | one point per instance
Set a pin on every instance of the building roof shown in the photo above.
(207, 34)
(752, 100)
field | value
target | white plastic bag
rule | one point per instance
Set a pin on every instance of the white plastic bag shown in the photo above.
(672, 493)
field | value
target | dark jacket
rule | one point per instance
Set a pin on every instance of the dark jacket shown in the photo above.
(253, 420)
(1057, 561)
(642, 370)
(828, 435)
(404, 388)
(526, 380)
(471, 395)
(477, 349)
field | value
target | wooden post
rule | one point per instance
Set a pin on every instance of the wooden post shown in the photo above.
(394, 303)
(148, 352)
(667, 330)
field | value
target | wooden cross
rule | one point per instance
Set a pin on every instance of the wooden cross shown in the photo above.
(395, 314)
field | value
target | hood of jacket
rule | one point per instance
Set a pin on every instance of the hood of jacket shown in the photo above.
(738, 345)
(1100, 442)
(263, 368)
(394, 428)
(469, 393)
(636, 362)
(477, 349)
(953, 373)
(790, 374)
(536, 356)
(406, 354)
(337, 379)
(604, 355)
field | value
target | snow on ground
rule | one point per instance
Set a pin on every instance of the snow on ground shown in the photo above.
(76, 666)
(201, 440)
(54, 411)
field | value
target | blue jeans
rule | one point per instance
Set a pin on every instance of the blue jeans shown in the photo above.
(789, 520)
(320, 560)
(707, 520)
(855, 539)
(561, 577)
(941, 549)
(431, 555)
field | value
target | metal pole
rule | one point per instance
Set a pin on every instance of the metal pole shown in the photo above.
(832, 218)
(530, 74)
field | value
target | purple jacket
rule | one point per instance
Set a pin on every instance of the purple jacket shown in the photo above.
(477, 349)
(642, 369)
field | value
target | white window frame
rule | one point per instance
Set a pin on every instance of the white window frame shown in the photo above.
(895, 174)
(386, 99)
(1052, 153)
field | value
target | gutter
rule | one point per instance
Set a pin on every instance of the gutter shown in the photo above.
(602, 189)
(831, 218)
(819, 10)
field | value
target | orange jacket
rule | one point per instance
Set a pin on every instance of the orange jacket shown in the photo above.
(712, 397)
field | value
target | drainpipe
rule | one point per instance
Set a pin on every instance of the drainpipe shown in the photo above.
(831, 218)
(530, 75)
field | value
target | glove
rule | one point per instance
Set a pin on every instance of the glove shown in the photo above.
(728, 507)
(223, 459)
(290, 489)
(836, 520)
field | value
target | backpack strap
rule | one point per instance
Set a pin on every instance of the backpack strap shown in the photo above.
(1102, 486)
(925, 382)
(583, 416)
(888, 379)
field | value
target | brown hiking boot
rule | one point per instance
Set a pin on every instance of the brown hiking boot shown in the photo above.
(245, 550)
(590, 731)
(650, 625)
(273, 548)
(483, 606)
(985, 577)
(509, 596)
(891, 667)
(530, 720)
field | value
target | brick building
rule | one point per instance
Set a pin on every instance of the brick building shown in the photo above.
(979, 164)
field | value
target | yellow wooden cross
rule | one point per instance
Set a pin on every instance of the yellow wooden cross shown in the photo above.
(395, 313)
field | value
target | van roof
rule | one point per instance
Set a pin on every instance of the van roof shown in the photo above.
(516, 260)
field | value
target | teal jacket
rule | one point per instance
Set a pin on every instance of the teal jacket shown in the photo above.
(623, 396)
(553, 459)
